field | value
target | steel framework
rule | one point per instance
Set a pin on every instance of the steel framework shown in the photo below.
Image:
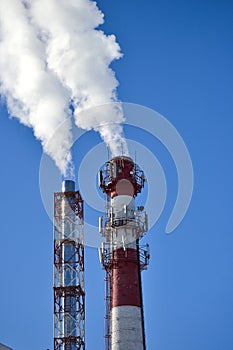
(69, 296)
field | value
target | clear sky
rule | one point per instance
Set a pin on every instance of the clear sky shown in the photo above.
(178, 61)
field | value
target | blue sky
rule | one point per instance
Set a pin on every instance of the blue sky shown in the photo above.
(178, 61)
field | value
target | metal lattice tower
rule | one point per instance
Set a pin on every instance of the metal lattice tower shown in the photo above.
(69, 296)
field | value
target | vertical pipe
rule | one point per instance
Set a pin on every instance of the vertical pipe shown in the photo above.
(69, 259)
(141, 296)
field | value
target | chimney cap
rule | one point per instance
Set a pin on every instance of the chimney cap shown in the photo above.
(68, 186)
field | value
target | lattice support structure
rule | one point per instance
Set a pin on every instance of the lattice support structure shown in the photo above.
(69, 296)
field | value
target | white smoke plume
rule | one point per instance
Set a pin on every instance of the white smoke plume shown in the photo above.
(33, 94)
(80, 56)
(52, 55)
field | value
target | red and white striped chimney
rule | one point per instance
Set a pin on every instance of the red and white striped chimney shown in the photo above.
(121, 180)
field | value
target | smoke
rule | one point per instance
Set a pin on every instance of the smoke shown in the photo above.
(33, 94)
(52, 56)
(80, 56)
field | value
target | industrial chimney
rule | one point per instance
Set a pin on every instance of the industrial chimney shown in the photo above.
(123, 259)
(68, 269)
